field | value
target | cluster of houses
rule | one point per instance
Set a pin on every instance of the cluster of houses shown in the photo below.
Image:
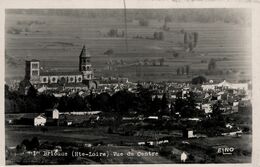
(232, 96)
(52, 117)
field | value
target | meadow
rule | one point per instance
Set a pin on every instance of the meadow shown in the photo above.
(57, 41)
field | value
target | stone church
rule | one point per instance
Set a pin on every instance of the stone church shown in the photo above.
(51, 80)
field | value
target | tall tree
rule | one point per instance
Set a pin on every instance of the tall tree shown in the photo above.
(164, 104)
(212, 65)
(182, 70)
(156, 104)
(187, 69)
(161, 60)
(198, 80)
(161, 36)
(178, 71)
(196, 38)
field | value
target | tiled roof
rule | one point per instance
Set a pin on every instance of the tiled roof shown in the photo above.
(54, 85)
(53, 73)
(84, 52)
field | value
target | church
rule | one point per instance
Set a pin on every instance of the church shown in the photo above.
(82, 79)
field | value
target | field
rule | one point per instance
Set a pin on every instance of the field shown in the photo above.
(198, 147)
(57, 42)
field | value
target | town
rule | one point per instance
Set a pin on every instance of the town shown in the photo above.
(155, 115)
(132, 86)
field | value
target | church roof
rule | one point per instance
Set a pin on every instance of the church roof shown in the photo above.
(55, 85)
(33, 60)
(58, 73)
(84, 52)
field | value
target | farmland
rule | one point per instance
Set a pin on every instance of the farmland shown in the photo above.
(113, 142)
(57, 40)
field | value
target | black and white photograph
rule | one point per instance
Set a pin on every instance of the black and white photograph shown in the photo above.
(128, 86)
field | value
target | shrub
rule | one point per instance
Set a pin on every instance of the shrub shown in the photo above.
(143, 22)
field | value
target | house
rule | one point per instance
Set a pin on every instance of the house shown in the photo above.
(188, 133)
(232, 133)
(40, 120)
(235, 103)
(153, 117)
(52, 113)
(207, 108)
(141, 143)
(184, 157)
(55, 114)
(82, 113)
(228, 125)
(226, 85)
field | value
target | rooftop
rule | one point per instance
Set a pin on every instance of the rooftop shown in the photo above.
(84, 52)
(53, 85)
(53, 73)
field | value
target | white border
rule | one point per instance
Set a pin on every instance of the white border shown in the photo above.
(99, 4)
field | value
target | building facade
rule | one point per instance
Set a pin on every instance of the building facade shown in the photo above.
(81, 79)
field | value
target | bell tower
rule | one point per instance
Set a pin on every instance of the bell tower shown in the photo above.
(32, 71)
(85, 65)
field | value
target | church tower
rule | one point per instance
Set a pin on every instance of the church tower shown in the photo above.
(85, 66)
(32, 71)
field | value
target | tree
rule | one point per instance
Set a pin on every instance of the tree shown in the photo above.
(26, 143)
(122, 101)
(143, 22)
(63, 103)
(185, 38)
(175, 54)
(102, 102)
(167, 19)
(110, 130)
(154, 62)
(164, 104)
(186, 107)
(178, 71)
(155, 106)
(161, 60)
(113, 33)
(156, 35)
(34, 143)
(216, 111)
(143, 100)
(182, 70)
(161, 36)
(212, 65)
(146, 61)
(32, 92)
(187, 69)
(196, 38)
(109, 52)
(190, 46)
(46, 101)
(7, 91)
(198, 80)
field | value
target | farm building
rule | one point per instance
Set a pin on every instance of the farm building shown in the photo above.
(55, 114)
(225, 84)
(188, 133)
(207, 108)
(52, 113)
(44, 80)
(40, 120)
